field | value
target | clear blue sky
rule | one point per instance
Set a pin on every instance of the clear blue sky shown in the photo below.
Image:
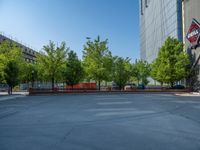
(35, 22)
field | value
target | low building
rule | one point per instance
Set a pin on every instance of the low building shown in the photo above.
(29, 54)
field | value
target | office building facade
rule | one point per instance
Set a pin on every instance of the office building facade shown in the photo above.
(159, 19)
(29, 54)
(191, 37)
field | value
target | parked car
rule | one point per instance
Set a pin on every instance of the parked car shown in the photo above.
(141, 86)
(178, 87)
(130, 86)
(3, 87)
(115, 87)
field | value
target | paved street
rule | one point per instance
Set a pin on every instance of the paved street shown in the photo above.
(100, 122)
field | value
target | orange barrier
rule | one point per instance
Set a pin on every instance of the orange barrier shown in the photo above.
(91, 86)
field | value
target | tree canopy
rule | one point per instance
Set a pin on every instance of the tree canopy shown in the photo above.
(97, 60)
(121, 71)
(141, 71)
(73, 72)
(11, 71)
(10, 63)
(51, 61)
(172, 62)
(29, 73)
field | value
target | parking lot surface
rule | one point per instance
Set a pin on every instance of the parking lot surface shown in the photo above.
(100, 122)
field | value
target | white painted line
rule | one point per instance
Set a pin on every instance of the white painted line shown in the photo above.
(114, 103)
(110, 98)
(197, 107)
(110, 109)
(187, 102)
(123, 113)
(11, 97)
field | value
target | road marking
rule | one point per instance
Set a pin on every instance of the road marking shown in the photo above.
(114, 103)
(111, 109)
(111, 98)
(123, 113)
(187, 102)
(11, 97)
(197, 107)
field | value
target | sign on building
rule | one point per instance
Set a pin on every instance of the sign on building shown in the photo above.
(193, 34)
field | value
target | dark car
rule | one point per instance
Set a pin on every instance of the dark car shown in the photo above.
(178, 87)
(141, 86)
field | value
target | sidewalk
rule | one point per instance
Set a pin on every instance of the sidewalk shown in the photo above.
(4, 95)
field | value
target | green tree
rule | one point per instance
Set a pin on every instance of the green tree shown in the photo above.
(11, 71)
(156, 72)
(97, 60)
(2, 66)
(172, 63)
(141, 71)
(29, 73)
(121, 71)
(10, 63)
(73, 72)
(51, 61)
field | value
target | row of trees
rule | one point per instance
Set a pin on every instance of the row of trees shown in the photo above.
(60, 64)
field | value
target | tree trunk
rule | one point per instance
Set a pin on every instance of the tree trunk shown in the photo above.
(99, 84)
(155, 82)
(52, 83)
(72, 87)
(32, 84)
(171, 84)
(122, 88)
(161, 84)
(11, 90)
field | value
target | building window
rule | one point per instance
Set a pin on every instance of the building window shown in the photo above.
(146, 3)
(141, 5)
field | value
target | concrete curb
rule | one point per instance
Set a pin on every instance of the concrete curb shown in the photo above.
(103, 93)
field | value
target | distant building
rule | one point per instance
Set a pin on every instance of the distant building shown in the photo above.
(159, 19)
(29, 54)
(191, 36)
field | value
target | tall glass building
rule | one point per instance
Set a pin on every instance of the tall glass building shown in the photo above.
(159, 19)
(191, 16)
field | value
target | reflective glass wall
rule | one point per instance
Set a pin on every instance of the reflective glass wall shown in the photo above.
(158, 20)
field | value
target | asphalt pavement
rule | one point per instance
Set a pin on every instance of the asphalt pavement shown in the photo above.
(100, 122)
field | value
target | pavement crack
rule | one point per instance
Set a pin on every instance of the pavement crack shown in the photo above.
(67, 134)
(63, 138)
